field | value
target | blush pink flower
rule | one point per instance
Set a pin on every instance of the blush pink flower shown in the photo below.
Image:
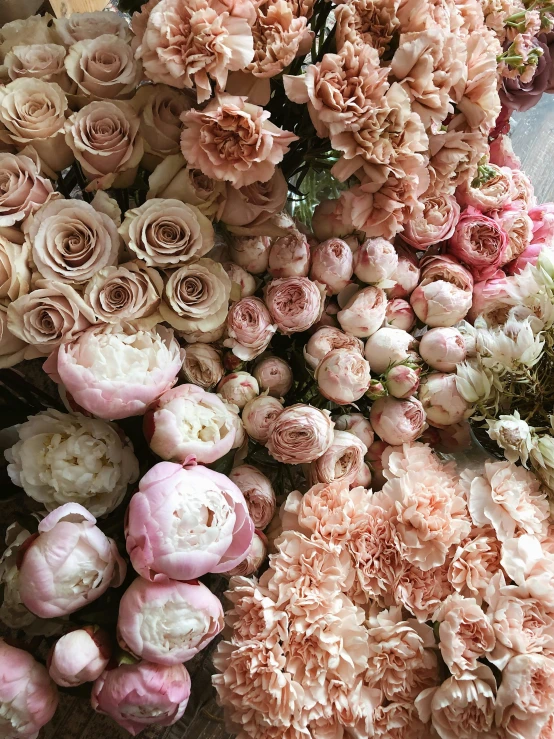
(364, 313)
(437, 222)
(254, 204)
(343, 462)
(375, 260)
(519, 230)
(397, 421)
(543, 223)
(332, 512)
(441, 400)
(442, 348)
(525, 699)
(24, 190)
(327, 339)
(343, 376)
(492, 191)
(422, 591)
(273, 375)
(332, 265)
(258, 416)
(531, 567)
(357, 424)
(300, 434)
(258, 493)
(289, 256)
(254, 615)
(398, 721)
(295, 303)
(400, 314)
(249, 328)
(388, 347)
(475, 562)
(444, 294)
(480, 243)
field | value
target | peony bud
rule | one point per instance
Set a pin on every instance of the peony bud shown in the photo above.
(79, 657)
(402, 381)
(388, 346)
(375, 260)
(325, 340)
(443, 348)
(251, 253)
(441, 400)
(400, 314)
(238, 388)
(274, 375)
(300, 434)
(202, 366)
(343, 376)
(289, 256)
(364, 313)
(258, 493)
(397, 421)
(253, 560)
(357, 424)
(332, 265)
(405, 276)
(258, 416)
(242, 278)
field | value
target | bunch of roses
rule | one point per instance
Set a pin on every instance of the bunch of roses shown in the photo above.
(423, 609)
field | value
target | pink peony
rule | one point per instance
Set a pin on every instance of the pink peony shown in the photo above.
(529, 256)
(332, 265)
(406, 275)
(442, 348)
(258, 416)
(387, 347)
(400, 314)
(79, 657)
(479, 242)
(218, 532)
(342, 462)
(249, 328)
(258, 493)
(289, 256)
(375, 260)
(364, 313)
(343, 376)
(441, 400)
(435, 224)
(397, 421)
(300, 434)
(273, 375)
(295, 303)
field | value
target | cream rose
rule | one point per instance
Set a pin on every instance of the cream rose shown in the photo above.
(22, 189)
(15, 275)
(167, 233)
(249, 328)
(295, 303)
(39, 61)
(81, 26)
(300, 434)
(160, 108)
(203, 366)
(12, 349)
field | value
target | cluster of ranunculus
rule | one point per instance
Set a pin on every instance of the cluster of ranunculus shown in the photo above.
(424, 609)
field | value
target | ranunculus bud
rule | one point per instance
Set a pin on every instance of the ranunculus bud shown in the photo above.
(251, 253)
(332, 265)
(400, 314)
(238, 388)
(443, 348)
(190, 612)
(342, 462)
(402, 381)
(70, 563)
(143, 694)
(28, 697)
(405, 276)
(389, 346)
(249, 328)
(343, 376)
(325, 340)
(258, 416)
(364, 313)
(242, 278)
(480, 243)
(397, 421)
(253, 560)
(218, 531)
(441, 400)
(187, 420)
(375, 260)
(289, 256)
(300, 434)
(295, 303)
(357, 424)
(258, 493)
(274, 375)
(435, 224)
(203, 366)
(79, 657)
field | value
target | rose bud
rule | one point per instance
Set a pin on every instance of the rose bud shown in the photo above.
(202, 366)
(480, 243)
(253, 560)
(402, 381)
(274, 375)
(400, 314)
(442, 348)
(529, 256)
(289, 256)
(258, 493)
(343, 462)
(376, 390)
(69, 564)
(258, 416)
(238, 388)
(148, 611)
(375, 260)
(375, 458)
(242, 278)
(28, 697)
(295, 303)
(343, 376)
(141, 695)
(441, 400)
(327, 221)
(389, 346)
(444, 295)
(251, 253)
(79, 657)
(357, 424)
(405, 276)
(189, 421)
(249, 328)
(364, 313)
(325, 340)
(435, 224)
(397, 421)
(300, 434)
(332, 265)
(218, 531)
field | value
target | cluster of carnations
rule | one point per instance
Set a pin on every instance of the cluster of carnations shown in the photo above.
(422, 610)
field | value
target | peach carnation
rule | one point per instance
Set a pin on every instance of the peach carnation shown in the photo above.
(475, 562)
(254, 615)
(332, 512)
(422, 591)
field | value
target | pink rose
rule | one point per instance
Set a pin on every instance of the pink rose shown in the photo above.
(436, 223)
(388, 346)
(69, 564)
(41, 61)
(143, 694)
(343, 376)
(191, 612)
(289, 256)
(397, 421)
(202, 366)
(249, 328)
(238, 388)
(529, 256)
(219, 529)
(494, 191)
(251, 253)
(441, 399)
(233, 140)
(479, 242)
(444, 294)
(160, 108)
(375, 260)
(364, 313)
(543, 223)
(406, 275)
(23, 189)
(341, 463)
(295, 303)
(399, 314)
(242, 278)
(402, 381)
(442, 348)
(253, 205)
(357, 424)
(326, 339)
(273, 375)
(332, 265)
(12, 349)
(525, 700)
(79, 657)
(300, 434)
(258, 493)
(258, 415)
(28, 697)
(79, 26)
(115, 371)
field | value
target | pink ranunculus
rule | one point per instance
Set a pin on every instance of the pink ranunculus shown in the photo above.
(295, 303)
(148, 610)
(332, 265)
(258, 416)
(143, 694)
(442, 348)
(115, 371)
(325, 340)
(187, 420)
(543, 223)
(342, 462)
(249, 328)
(444, 294)
(258, 493)
(364, 313)
(28, 697)
(400, 314)
(300, 434)
(218, 532)
(435, 224)
(343, 376)
(274, 375)
(238, 388)
(441, 399)
(479, 242)
(529, 256)
(389, 346)
(79, 657)
(525, 699)
(289, 256)
(70, 563)
(375, 260)
(357, 424)
(402, 381)
(397, 421)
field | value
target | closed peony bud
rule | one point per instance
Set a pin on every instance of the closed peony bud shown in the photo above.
(364, 313)
(343, 376)
(375, 260)
(443, 348)
(258, 493)
(405, 276)
(324, 340)
(300, 434)
(274, 375)
(400, 314)
(253, 560)
(332, 265)
(389, 346)
(251, 253)
(289, 256)
(397, 421)
(202, 366)
(79, 657)
(342, 462)
(357, 424)
(441, 400)
(258, 416)
(242, 278)
(238, 388)
(402, 381)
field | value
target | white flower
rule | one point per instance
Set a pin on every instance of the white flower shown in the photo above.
(474, 382)
(69, 458)
(510, 346)
(513, 435)
(542, 457)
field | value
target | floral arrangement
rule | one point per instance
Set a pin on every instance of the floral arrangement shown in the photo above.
(278, 253)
